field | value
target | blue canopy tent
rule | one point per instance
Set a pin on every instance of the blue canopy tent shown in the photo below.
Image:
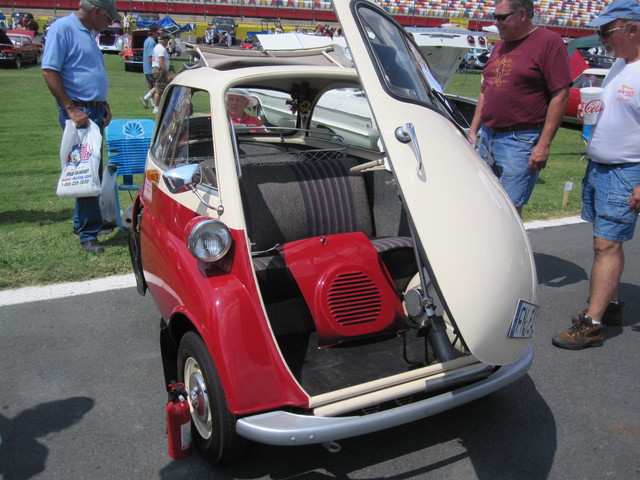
(167, 24)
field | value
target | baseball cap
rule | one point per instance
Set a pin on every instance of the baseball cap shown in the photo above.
(165, 36)
(108, 6)
(154, 28)
(623, 9)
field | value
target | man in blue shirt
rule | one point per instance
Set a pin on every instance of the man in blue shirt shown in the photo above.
(147, 51)
(73, 69)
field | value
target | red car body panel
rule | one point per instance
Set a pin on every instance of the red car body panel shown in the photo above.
(330, 270)
(252, 371)
(589, 77)
(28, 51)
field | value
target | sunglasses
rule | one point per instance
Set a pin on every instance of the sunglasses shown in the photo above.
(501, 17)
(607, 33)
(108, 15)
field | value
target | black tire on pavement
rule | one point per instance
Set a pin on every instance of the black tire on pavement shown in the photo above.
(213, 427)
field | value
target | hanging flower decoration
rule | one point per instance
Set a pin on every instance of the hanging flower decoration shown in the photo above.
(301, 97)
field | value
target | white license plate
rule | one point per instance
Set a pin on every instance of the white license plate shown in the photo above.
(524, 320)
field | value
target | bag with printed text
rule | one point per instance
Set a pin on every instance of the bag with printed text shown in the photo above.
(80, 152)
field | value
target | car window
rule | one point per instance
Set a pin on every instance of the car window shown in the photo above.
(273, 109)
(185, 135)
(589, 80)
(403, 70)
(344, 115)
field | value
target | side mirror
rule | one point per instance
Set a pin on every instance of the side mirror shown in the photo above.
(182, 179)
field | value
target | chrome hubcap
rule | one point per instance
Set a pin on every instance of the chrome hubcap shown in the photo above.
(198, 399)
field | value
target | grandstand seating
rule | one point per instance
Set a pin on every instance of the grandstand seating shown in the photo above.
(573, 13)
(569, 13)
(560, 15)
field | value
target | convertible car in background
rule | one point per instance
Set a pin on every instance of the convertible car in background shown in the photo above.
(312, 286)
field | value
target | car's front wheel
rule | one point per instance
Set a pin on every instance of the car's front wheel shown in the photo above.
(213, 426)
(18, 62)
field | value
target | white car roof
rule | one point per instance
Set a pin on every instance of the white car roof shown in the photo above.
(229, 59)
(596, 71)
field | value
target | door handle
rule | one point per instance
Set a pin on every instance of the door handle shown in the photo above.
(407, 134)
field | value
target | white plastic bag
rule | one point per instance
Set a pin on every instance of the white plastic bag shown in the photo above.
(108, 205)
(80, 152)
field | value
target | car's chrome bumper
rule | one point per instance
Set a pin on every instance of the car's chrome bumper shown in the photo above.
(283, 428)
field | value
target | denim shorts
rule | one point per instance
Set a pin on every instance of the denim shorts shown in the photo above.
(605, 200)
(511, 152)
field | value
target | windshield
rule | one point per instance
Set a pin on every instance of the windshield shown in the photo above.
(402, 69)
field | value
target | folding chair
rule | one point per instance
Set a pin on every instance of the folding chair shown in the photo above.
(127, 146)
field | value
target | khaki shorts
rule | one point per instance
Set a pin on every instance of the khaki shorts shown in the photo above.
(161, 78)
(151, 81)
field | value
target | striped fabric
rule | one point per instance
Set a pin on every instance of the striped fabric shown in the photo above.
(386, 244)
(328, 197)
(287, 202)
(290, 201)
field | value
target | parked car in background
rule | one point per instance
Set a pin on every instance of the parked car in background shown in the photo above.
(17, 49)
(225, 25)
(475, 59)
(311, 289)
(112, 39)
(591, 77)
(597, 61)
(134, 50)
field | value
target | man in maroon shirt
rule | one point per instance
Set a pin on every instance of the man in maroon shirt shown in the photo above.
(522, 99)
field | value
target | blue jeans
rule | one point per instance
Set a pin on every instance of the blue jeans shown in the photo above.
(605, 200)
(87, 219)
(511, 152)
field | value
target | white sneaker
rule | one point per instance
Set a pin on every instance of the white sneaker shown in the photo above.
(155, 109)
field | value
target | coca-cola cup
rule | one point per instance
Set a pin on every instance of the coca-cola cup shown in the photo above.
(591, 99)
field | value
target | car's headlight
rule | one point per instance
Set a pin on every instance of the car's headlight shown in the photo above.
(209, 240)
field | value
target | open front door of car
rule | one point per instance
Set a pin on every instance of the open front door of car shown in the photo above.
(469, 237)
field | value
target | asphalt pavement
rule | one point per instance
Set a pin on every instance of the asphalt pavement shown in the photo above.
(82, 397)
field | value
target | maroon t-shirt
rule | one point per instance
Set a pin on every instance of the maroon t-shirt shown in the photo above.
(520, 77)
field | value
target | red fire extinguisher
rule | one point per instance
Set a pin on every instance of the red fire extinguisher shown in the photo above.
(178, 422)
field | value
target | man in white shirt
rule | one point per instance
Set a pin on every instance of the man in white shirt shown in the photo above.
(160, 68)
(611, 186)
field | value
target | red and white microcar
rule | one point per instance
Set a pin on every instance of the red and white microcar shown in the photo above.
(311, 289)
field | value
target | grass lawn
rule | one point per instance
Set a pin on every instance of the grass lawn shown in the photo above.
(36, 241)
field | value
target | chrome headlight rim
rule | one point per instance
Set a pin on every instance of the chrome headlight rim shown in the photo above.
(203, 234)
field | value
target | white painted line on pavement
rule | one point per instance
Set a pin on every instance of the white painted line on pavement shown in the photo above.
(50, 292)
(537, 224)
(60, 290)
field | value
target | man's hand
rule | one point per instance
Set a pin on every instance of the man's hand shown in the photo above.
(539, 157)
(79, 117)
(634, 200)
